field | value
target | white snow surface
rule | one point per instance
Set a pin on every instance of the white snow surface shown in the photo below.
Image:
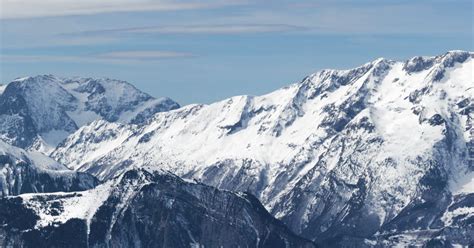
(110, 135)
(80, 205)
(39, 160)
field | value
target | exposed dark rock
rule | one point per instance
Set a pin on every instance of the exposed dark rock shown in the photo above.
(151, 210)
(436, 120)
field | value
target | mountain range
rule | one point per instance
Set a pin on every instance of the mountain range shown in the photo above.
(375, 156)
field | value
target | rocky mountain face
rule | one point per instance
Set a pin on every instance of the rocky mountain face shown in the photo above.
(142, 209)
(32, 172)
(375, 155)
(37, 113)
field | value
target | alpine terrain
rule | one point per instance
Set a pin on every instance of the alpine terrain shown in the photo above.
(39, 112)
(142, 209)
(375, 156)
(32, 172)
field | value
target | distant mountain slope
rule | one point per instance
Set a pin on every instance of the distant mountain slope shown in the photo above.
(39, 112)
(32, 172)
(342, 154)
(142, 209)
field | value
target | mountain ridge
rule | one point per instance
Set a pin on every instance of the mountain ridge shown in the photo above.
(118, 213)
(331, 149)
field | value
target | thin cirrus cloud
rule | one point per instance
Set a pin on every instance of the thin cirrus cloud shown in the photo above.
(14, 9)
(143, 55)
(200, 29)
(56, 41)
(108, 57)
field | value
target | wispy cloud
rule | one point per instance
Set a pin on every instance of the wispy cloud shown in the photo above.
(367, 17)
(198, 29)
(56, 41)
(109, 57)
(142, 55)
(13, 9)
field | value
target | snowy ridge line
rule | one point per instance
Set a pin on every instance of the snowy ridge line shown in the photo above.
(370, 142)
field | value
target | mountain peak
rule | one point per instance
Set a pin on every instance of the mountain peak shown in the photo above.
(51, 107)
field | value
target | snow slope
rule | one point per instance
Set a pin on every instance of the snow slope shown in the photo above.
(36, 158)
(328, 155)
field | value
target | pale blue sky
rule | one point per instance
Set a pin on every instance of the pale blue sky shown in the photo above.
(204, 51)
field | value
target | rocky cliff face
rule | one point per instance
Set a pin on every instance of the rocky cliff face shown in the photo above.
(39, 112)
(142, 209)
(343, 156)
(32, 172)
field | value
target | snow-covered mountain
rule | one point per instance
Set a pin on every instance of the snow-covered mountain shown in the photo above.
(142, 209)
(37, 113)
(32, 172)
(371, 155)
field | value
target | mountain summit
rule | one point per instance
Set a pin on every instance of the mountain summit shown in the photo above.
(39, 112)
